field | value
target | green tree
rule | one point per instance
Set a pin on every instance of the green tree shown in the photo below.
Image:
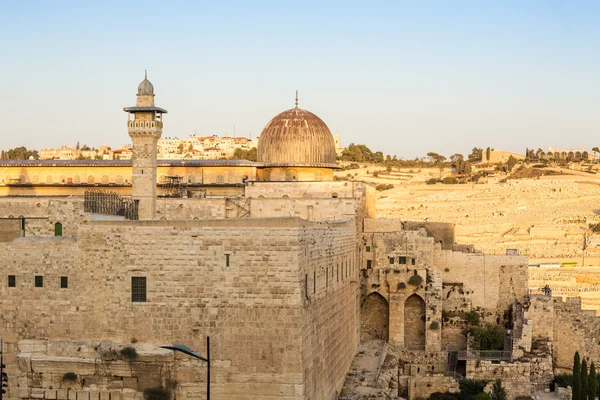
(77, 147)
(584, 381)
(21, 153)
(488, 337)
(85, 147)
(498, 392)
(488, 153)
(576, 377)
(476, 155)
(593, 382)
(511, 163)
(436, 158)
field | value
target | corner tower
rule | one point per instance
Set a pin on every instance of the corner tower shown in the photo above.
(144, 124)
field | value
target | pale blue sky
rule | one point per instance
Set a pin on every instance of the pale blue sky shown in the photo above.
(402, 77)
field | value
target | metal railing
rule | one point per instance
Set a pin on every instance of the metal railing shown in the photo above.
(492, 355)
(110, 203)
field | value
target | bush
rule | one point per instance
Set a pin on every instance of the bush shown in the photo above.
(469, 387)
(488, 337)
(563, 380)
(443, 396)
(472, 318)
(128, 353)
(498, 392)
(434, 325)
(432, 181)
(375, 174)
(382, 186)
(70, 377)
(415, 280)
(401, 285)
(449, 180)
(156, 394)
(482, 396)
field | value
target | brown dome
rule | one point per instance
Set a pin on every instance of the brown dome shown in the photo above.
(296, 137)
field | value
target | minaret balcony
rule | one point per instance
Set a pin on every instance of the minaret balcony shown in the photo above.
(144, 124)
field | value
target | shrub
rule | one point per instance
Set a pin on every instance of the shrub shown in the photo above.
(488, 337)
(415, 280)
(375, 174)
(469, 387)
(70, 377)
(434, 325)
(128, 353)
(401, 285)
(472, 318)
(498, 392)
(382, 186)
(482, 396)
(432, 181)
(156, 394)
(449, 180)
(443, 396)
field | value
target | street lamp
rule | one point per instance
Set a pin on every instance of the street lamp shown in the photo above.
(186, 350)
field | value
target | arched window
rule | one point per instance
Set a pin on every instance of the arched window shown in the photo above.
(220, 179)
(119, 180)
(58, 229)
(36, 179)
(291, 175)
(63, 179)
(49, 179)
(266, 175)
(77, 179)
(91, 180)
(334, 195)
(191, 179)
(318, 175)
(22, 179)
(104, 180)
(162, 179)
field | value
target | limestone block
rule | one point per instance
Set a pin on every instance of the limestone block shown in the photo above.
(115, 384)
(118, 368)
(72, 395)
(61, 394)
(130, 383)
(33, 346)
(115, 395)
(61, 365)
(104, 395)
(83, 395)
(37, 393)
(50, 394)
(94, 395)
(128, 395)
(23, 393)
(24, 361)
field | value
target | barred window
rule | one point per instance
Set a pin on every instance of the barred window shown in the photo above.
(368, 249)
(39, 281)
(402, 260)
(64, 282)
(391, 260)
(12, 281)
(138, 289)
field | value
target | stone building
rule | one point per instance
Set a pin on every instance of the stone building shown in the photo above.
(286, 270)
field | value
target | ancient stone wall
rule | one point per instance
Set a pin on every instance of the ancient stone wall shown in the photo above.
(421, 387)
(514, 376)
(495, 281)
(243, 282)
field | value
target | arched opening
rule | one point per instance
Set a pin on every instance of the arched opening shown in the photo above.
(192, 179)
(291, 175)
(266, 175)
(220, 180)
(48, 179)
(374, 318)
(58, 229)
(585, 155)
(119, 180)
(318, 176)
(414, 323)
(91, 180)
(104, 180)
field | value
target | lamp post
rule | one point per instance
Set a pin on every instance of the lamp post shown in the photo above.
(186, 350)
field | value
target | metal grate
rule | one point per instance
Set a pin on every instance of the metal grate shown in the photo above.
(110, 203)
(39, 281)
(64, 282)
(12, 281)
(138, 289)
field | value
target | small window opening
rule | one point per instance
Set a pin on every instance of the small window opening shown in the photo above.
(39, 281)
(391, 260)
(227, 260)
(402, 260)
(368, 249)
(315, 282)
(58, 229)
(413, 261)
(369, 264)
(138, 289)
(64, 282)
(306, 285)
(326, 278)
(12, 281)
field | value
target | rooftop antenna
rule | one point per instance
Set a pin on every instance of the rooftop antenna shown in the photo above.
(296, 98)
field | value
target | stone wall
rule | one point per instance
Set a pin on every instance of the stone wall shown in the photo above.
(421, 387)
(495, 281)
(243, 282)
(514, 376)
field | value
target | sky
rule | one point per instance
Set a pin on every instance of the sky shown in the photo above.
(402, 77)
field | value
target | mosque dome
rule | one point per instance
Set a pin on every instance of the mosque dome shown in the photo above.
(297, 137)
(145, 88)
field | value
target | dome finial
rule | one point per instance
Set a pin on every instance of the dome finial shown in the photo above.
(296, 98)
(145, 74)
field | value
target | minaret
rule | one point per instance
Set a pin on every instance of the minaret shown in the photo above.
(144, 125)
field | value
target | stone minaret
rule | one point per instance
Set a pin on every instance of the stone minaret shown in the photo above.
(144, 125)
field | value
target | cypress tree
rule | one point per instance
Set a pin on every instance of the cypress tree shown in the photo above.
(593, 382)
(584, 381)
(576, 377)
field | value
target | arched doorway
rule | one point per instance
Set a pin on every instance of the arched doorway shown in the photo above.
(414, 323)
(374, 318)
